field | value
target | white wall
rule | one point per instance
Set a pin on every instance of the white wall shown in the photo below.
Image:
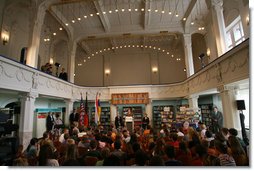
(16, 22)
(130, 67)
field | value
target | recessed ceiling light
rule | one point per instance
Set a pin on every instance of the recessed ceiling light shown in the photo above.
(100, 51)
(156, 10)
(149, 10)
(136, 9)
(116, 10)
(123, 9)
(84, 60)
(54, 34)
(129, 9)
(192, 23)
(85, 16)
(92, 54)
(66, 24)
(142, 9)
(96, 52)
(104, 12)
(91, 15)
(97, 13)
(169, 12)
(73, 21)
(162, 12)
(79, 18)
(60, 28)
(110, 11)
(88, 57)
(184, 19)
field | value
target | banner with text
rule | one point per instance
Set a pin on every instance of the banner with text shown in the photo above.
(130, 98)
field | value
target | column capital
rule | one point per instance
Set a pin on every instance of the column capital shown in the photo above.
(192, 96)
(69, 100)
(217, 3)
(29, 95)
(187, 38)
(224, 88)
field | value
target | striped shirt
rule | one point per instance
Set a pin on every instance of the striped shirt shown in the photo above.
(226, 160)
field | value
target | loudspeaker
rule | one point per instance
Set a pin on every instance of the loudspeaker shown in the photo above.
(240, 104)
(64, 109)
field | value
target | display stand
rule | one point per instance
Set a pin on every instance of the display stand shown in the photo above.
(129, 122)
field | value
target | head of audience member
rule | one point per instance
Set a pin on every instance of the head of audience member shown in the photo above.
(156, 161)
(46, 152)
(93, 144)
(112, 160)
(221, 147)
(71, 153)
(117, 145)
(170, 151)
(105, 152)
(20, 162)
(233, 132)
(140, 158)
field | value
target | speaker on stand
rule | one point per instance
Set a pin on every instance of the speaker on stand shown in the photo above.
(241, 106)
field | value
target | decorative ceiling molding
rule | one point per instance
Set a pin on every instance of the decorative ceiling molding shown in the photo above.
(103, 18)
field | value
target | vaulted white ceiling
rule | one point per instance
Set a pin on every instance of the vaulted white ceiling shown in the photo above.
(98, 25)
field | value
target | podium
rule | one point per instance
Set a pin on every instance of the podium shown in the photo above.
(129, 122)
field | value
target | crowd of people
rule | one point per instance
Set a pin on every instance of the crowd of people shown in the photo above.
(48, 68)
(97, 146)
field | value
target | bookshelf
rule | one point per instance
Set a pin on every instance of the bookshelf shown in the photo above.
(185, 114)
(104, 118)
(162, 115)
(206, 110)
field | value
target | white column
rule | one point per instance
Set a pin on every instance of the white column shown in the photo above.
(219, 26)
(68, 111)
(71, 61)
(33, 50)
(244, 13)
(112, 113)
(193, 102)
(188, 55)
(27, 118)
(230, 113)
(149, 112)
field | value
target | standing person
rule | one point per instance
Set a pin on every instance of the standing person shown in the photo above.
(145, 121)
(118, 121)
(244, 134)
(74, 117)
(58, 125)
(63, 75)
(50, 122)
(217, 120)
